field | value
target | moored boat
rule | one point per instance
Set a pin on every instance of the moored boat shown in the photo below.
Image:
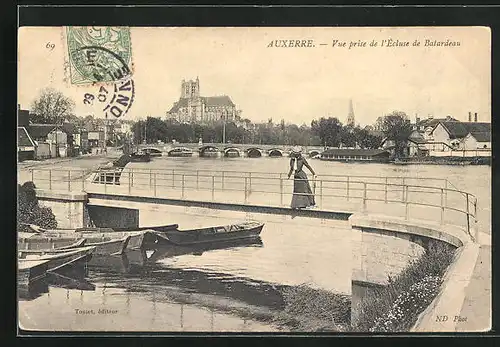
(240, 231)
(31, 270)
(56, 259)
(106, 240)
(180, 152)
(50, 240)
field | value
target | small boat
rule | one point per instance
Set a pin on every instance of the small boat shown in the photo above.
(140, 236)
(56, 258)
(108, 175)
(240, 231)
(29, 271)
(140, 157)
(105, 242)
(152, 152)
(180, 152)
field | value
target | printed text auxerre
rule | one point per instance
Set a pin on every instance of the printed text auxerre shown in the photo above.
(291, 43)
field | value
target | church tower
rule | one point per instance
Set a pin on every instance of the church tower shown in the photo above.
(190, 89)
(350, 115)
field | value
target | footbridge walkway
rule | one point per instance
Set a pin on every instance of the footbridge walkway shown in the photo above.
(429, 199)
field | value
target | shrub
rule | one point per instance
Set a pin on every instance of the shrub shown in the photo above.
(396, 306)
(29, 211)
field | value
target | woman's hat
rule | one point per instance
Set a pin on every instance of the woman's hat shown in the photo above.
(296, 150)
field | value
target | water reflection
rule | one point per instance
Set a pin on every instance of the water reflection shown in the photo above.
(35, 289)
(150, 295)
(32, 290)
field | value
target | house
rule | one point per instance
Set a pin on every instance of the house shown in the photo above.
(416, 145)
(425, 126)
(477, 140)
(95, 139)
(25, 145)
(51, 140)
(453, 134)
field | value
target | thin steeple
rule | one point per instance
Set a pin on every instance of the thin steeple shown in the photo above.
(350, 115)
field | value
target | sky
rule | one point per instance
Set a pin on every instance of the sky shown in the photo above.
(297, 84)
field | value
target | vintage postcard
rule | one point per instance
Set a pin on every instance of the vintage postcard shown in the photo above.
(254, 179)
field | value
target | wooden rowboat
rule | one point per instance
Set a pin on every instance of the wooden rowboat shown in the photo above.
(29, 271)
(56, 258)
(240, 231)
(138, 236)
(105, 243)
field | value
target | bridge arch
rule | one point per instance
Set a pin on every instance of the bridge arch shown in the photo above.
(313, 153)
(208, 151)
(153, 151)
(254, 152)
(275, 153)
(232, 152)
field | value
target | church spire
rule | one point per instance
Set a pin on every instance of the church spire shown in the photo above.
(350, 116)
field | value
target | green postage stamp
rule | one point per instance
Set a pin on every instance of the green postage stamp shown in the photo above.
(99, 54)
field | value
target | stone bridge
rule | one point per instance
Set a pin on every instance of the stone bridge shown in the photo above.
(251, 150)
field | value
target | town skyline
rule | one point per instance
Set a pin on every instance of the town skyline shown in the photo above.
(283, 84)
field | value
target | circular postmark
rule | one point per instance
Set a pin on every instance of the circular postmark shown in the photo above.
(98, 64)
(99, 54)
(116, 99)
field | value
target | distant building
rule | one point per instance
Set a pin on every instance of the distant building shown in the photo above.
(350, 154)
(95, 138)
(425, 126)
(193, 108)
(454, 133)
(477, 140)
(23, 117)
(25, 145)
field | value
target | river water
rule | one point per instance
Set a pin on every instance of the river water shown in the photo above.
(234, 288)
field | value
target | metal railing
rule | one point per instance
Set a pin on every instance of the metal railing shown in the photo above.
(408, 197)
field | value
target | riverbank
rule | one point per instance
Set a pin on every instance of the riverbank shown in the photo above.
(444, 161)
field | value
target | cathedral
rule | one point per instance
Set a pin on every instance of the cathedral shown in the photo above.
(193, 108)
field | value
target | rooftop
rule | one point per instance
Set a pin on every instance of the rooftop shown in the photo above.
(462, 129)
(482, 136)
(23, 138)
(209, 101)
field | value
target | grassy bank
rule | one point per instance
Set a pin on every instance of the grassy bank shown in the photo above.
(447, 160)
(396, 306)
(313, 310)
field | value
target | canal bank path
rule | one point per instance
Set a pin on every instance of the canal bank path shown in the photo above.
(85, 163)
(475, 315)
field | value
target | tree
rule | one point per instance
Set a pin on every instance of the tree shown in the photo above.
(328, 130)
(29, 211)
(348, 136)
(51, 107)
(396, 127)
(366, 138)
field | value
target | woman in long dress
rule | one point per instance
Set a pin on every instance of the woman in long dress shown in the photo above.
(302, 193)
